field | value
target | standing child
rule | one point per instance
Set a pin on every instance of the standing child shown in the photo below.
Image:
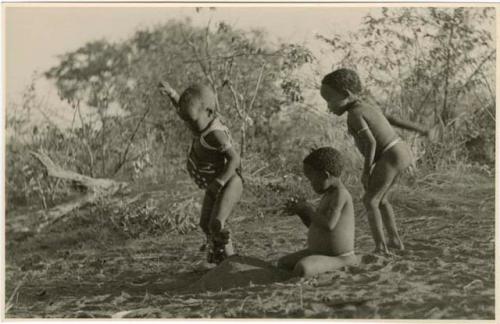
(386, 155)
(330, 240)
(214, 165)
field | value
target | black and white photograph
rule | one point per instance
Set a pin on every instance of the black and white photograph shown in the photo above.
(249, 161)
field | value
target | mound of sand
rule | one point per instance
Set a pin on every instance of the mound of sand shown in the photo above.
(239, 271)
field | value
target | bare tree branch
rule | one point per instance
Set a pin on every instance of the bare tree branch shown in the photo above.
(236, 100)
(257, 87)
(123, 157)
(476, 71)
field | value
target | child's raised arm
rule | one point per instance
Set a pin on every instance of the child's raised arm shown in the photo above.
(167, 90)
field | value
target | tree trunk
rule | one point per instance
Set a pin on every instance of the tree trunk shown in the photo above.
(243, 139)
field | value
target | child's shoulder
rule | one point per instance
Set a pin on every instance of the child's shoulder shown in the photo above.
(215, 126)
(362, 109)
(361, 106)
(344, 193)
(217, 136)
(340, 194)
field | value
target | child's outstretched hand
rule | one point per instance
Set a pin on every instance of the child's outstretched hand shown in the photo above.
(293, 205)
(166, 90)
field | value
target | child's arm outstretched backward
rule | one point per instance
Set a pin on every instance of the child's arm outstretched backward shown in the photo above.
(403, 124)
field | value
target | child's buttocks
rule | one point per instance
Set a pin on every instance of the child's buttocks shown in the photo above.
(319, 240)
(399, 156)
(326, 242)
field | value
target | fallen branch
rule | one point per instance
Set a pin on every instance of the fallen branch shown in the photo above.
(96, 189)
(10, 302)
(96, 186)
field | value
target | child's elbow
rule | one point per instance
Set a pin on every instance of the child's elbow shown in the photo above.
(235, 159)
(331, 225)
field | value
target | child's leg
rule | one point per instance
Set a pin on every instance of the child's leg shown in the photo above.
(289, 261)
(224, 204)
(380, 181)
(315, 264)
(400, 158)
(389, 220)
(206, 212)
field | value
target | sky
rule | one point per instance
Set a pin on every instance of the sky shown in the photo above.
(36, 35)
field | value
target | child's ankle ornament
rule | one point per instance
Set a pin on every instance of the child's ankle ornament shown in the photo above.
(216, 253)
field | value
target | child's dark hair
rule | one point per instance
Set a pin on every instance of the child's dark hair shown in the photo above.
(195, 93)
(343, 80)
(326, 159)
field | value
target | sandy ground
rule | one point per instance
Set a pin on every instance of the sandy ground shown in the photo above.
(447, 223)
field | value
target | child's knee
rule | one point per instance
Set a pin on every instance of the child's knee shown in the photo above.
(233, 188)
(371, 201)
(282, 264)
(204, 224)
(215, 225)
(304, 269)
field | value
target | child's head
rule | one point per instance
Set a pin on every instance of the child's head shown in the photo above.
(322, 166)
(340, 88)
(197, 107)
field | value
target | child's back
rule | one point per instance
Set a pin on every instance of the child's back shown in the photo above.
(340, 239)
(376, 123)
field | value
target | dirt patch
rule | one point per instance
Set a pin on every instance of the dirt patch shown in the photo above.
(239, 271)
(79, 269)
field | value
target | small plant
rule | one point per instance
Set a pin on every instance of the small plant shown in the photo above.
(149, 218)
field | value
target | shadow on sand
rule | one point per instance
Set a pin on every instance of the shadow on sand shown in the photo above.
(238, 271)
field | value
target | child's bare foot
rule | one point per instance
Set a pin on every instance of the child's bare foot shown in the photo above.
(203, 266)
(396, 243)
(381, 248)
(221, 247)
